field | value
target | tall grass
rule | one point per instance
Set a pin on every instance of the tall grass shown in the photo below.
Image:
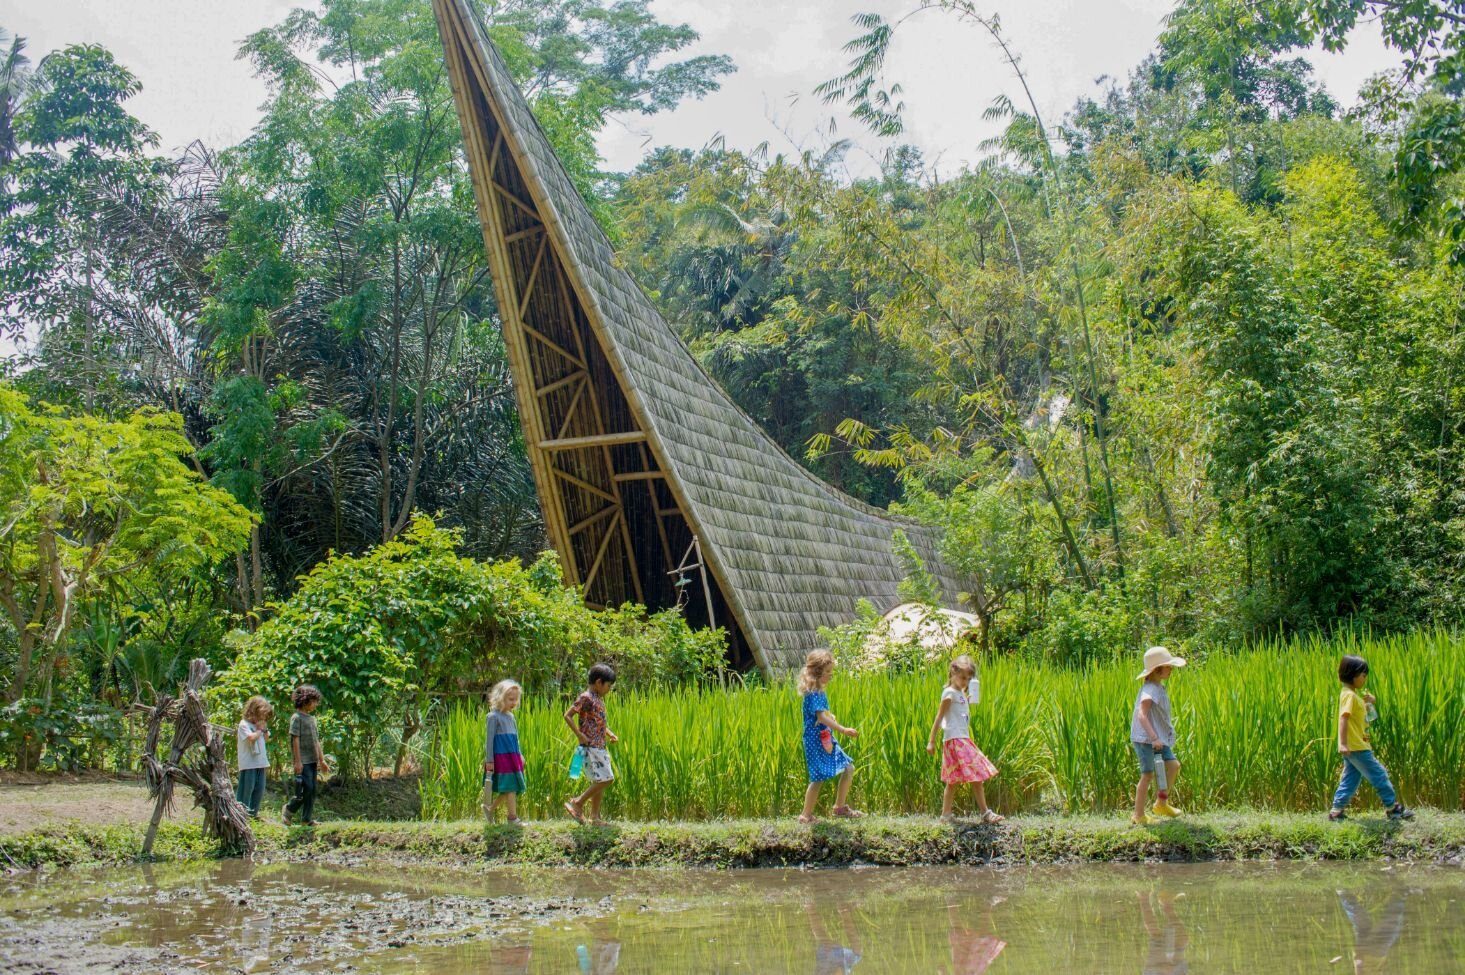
(452, 779)
(1256, 729)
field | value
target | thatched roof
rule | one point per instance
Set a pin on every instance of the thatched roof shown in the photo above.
(636, 450)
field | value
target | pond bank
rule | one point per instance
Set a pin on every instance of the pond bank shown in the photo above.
(1434, 836)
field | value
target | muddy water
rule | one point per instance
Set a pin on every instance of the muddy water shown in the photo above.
(289, 917)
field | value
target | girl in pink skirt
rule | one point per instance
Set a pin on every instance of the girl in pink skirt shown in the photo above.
(961, 760)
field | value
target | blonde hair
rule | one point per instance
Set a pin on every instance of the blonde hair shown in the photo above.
(257, 709)
(818, 668)
(962, 665)
(500, 693)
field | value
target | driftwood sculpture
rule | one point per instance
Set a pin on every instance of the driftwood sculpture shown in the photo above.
(223, 816)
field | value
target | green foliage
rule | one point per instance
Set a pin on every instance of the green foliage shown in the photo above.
(89, 504)
(386, 633)
(452, 774)
(60, 736)
(1256, 729)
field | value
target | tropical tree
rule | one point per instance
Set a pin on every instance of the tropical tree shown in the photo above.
(85, 501)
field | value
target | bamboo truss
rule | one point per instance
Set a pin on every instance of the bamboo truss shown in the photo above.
(637, 454)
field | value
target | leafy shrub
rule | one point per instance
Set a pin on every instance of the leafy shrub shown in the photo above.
(58, 737)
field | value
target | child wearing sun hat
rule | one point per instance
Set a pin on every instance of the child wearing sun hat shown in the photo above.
(1152, 736)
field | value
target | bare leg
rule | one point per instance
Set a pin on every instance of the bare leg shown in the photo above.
(811, 799)
(981, 797)
(841, 793)
(1172, 772)
(948, 799)
(1142, 793)
(593, 794)
(512, 802)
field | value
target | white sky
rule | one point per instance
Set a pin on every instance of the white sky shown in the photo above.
(183, 51)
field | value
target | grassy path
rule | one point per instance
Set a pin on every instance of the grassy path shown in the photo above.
(1434, 836)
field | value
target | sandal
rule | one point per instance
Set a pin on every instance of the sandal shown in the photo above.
(575, 814)
(806, 819)
(991, 818)
(845, 812)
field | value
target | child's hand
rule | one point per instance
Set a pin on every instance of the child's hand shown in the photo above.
(610, 736)
(325, 767)
(852, 732)
(1368, 698)
(584, 739)
(1343, 747)
(930, 748)
(299, 768)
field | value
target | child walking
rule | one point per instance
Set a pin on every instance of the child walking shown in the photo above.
(961, 759)
(1152, 734)
(306, 752)
(824, 758)
(593, 735)
(1356, 747)
(504, 767)
(251, 736)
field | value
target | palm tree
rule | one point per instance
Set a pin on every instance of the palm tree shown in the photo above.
(15, 78)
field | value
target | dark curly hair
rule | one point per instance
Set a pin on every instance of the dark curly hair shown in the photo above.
(603, 672)
(304, 694)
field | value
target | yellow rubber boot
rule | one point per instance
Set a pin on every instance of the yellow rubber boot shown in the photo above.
(1164, 809)
(1141, 820)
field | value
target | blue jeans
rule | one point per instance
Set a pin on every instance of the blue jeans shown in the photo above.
(1358, 766)
(251, 789)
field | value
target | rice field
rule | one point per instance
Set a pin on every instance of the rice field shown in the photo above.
(1256, 729)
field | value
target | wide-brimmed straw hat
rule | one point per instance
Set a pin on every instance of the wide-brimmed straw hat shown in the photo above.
(1159, 657)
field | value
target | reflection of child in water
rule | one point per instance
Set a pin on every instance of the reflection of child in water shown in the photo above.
(602, 956)
(510, 960)
(973, 952)
(1166, 955)
(830, 957)
(1372, 942)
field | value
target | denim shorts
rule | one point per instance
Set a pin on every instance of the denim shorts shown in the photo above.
(1146, 753)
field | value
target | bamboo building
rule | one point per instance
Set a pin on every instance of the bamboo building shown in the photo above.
(655, 486)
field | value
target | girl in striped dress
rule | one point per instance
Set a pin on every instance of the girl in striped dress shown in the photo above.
(503, 772)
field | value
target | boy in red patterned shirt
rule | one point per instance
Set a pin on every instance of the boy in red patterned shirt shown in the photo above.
(593, 735)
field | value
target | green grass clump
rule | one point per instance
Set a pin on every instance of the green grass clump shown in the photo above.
(1256, 730)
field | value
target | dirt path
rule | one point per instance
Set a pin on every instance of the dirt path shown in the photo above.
(29, 802)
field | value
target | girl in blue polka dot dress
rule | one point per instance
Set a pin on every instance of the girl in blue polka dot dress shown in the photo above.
(825, 759)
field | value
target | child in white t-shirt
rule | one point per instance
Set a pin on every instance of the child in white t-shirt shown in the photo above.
(961, 759)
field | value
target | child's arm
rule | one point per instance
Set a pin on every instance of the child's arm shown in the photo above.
(827, 718)
(295, 752)
(1144, 722)
(936, 725)
(575, 709)
(1343, 732)
(320, 756)
(253, 735)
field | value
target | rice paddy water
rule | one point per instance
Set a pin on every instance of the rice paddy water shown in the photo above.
(1256, 729)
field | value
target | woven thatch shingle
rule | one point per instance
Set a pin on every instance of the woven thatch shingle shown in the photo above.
(635, 449)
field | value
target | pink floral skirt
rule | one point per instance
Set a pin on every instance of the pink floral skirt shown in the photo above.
(963, 761)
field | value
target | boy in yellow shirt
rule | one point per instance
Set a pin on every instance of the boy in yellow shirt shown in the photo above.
(1353, 743)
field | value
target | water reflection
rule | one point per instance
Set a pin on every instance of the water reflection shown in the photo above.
(972, 952)
(1277, 919)
(1374, 935)
(1165, 954)
(831, 957)
(602, 955)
